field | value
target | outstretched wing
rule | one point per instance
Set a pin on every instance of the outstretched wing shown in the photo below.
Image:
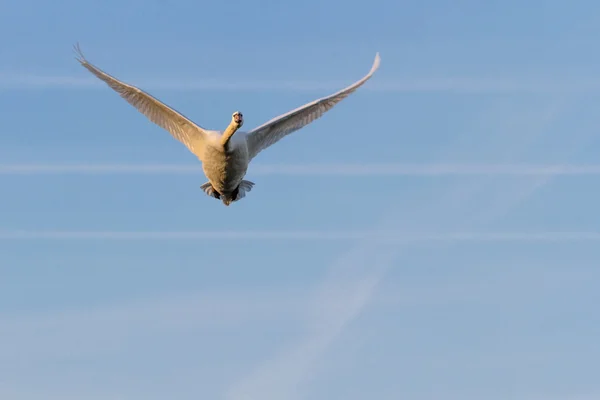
(269, 133)
(181, 128)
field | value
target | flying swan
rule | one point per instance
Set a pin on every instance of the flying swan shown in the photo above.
(225, 155)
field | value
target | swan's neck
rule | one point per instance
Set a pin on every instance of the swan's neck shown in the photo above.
(231, 129)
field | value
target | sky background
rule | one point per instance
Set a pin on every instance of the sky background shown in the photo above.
(351, 282)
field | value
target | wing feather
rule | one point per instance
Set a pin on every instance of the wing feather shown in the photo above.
(274, 130)
(181, 128)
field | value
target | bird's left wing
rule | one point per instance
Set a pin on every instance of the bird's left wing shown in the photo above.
(272, 131)
(181, 128)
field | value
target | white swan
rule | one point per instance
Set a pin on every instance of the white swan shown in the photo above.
(224, 156)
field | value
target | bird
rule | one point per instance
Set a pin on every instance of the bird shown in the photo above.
(225, 155)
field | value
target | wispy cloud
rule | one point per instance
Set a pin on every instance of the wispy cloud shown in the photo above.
(380, 236)
(415, 84)
(338, 169)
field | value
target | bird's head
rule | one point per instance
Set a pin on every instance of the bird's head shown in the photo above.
(237, 118)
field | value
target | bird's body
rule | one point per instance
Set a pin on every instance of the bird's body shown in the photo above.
(225, 155)
(226, 166)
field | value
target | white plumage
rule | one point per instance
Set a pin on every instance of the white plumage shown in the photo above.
(225, 155)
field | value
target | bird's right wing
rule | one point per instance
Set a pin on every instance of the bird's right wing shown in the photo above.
(274, 130)
(181, 128)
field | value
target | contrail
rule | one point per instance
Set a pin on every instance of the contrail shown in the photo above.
(325, 169)
(382, 236)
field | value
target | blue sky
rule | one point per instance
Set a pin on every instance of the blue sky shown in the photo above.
(351, 270)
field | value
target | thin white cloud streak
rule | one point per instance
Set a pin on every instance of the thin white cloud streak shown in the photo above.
(86, 330)
(11, 81)
(51, 335)
(381, 237)
(365, 169)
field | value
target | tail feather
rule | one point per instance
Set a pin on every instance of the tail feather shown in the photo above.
(245, 186)
(210, 190)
